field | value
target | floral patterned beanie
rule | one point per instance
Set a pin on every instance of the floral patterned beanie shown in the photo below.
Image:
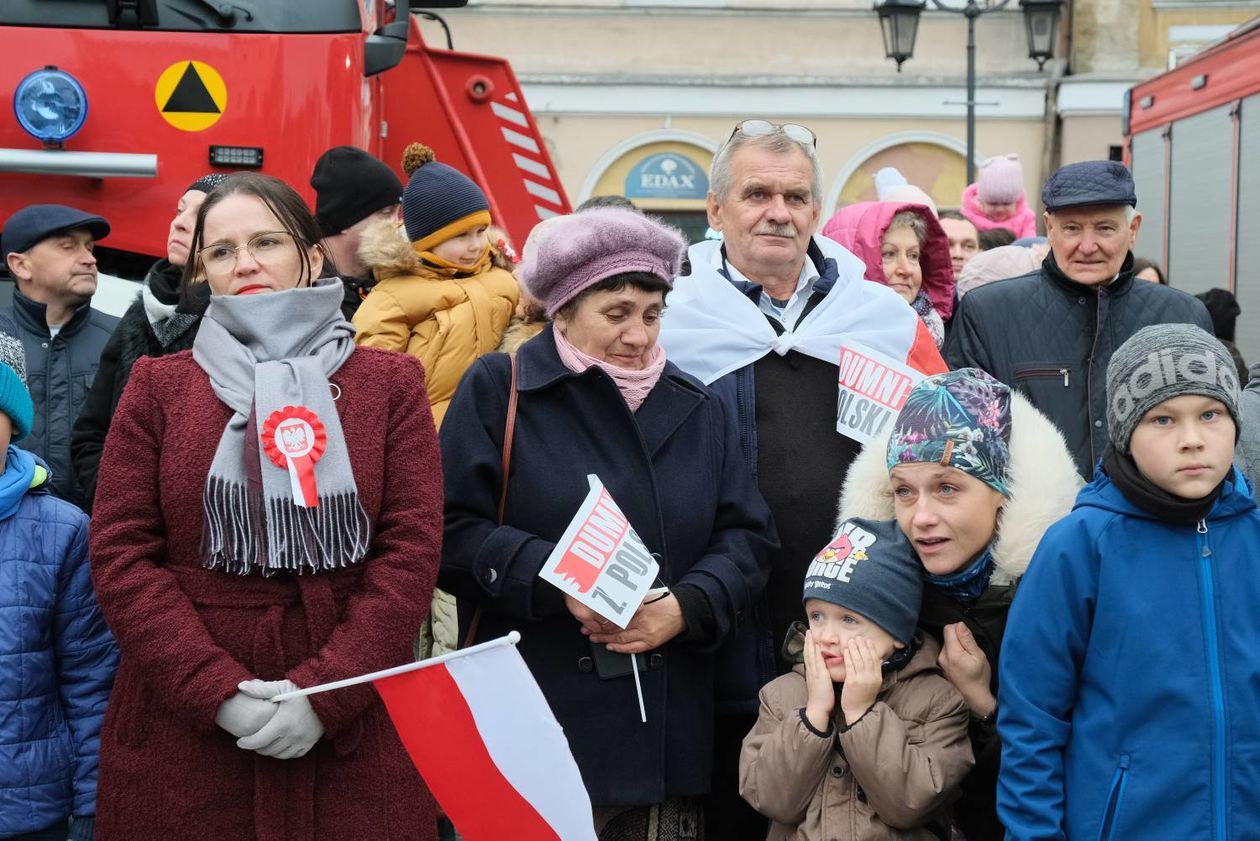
(959, 419)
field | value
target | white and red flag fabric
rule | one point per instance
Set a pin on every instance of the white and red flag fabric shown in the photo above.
(484, 739)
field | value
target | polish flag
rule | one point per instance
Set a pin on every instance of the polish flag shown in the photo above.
(486, 743)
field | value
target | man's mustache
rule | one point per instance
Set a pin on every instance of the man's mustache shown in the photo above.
(774, 229)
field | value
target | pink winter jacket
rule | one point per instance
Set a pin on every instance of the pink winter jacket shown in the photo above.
(1022, 224)
(860, 228)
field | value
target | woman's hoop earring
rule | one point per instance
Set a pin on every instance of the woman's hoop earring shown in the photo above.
(337, 388)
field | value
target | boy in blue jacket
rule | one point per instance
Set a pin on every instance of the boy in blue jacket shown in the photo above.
(57, 658)
(1129, 701)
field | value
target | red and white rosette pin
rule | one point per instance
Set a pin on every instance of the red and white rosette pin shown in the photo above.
(294, 439)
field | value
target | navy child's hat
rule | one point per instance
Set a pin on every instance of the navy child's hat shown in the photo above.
(871, 569)
(1088, 183)
(35, 223)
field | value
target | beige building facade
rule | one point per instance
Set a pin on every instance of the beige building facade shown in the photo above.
(634, 96)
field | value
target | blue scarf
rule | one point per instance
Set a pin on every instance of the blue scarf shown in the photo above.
(965, 585)
(19, 472)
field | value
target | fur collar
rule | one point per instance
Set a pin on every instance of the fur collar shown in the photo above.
(519, 332)
(1043, 483)
(383, 246)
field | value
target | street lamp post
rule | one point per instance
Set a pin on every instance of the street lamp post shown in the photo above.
(899, 20)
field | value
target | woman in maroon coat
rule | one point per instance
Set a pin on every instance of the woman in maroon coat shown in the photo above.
(269, 514)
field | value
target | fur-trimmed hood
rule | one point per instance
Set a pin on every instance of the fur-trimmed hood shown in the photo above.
(1042, 478)
(383, 246)
(519, 332)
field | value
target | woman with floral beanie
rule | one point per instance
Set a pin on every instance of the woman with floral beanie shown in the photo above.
(974, 475)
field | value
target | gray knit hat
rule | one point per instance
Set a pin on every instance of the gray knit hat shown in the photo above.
(15, 399)
(870, 568)
(1159, 363)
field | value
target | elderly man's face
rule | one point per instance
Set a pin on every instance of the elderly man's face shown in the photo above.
(1090, 243)
(770, 213)
(60, 268)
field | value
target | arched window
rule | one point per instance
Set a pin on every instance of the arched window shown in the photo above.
(937, 164)
(665, 173)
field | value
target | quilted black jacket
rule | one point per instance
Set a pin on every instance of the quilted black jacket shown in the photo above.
(1051, 338)
(59, 372)
(134, 337)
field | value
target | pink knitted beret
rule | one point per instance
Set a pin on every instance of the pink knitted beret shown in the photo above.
(1001, 180)
(584, 248)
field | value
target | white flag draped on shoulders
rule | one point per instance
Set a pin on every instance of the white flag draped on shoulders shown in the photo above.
(711, 328)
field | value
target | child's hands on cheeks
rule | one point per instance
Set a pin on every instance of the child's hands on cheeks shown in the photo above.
(863, 677)
(821, 692)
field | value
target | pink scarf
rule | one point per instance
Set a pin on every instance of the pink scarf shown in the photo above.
(634, 385)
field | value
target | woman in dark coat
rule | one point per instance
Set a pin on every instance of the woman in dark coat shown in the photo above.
(596, 396)
(225, 583)
(162, 319)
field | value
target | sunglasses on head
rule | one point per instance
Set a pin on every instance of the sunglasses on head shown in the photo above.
(760, 128)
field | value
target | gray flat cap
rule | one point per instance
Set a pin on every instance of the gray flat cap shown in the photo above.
(1089, 182)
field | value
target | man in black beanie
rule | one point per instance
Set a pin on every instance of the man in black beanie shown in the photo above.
(352, 190)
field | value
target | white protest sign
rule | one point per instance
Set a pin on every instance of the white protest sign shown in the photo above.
(600, 561)
(873, 388)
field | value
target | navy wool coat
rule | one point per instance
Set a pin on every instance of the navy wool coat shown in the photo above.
(676, 471)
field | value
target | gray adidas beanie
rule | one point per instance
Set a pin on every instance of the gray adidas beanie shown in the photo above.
(1159, 363)
(870, 568)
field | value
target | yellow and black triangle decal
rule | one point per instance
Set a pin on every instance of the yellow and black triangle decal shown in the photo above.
(190, 95)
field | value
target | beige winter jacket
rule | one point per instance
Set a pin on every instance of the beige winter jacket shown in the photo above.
(886, 777)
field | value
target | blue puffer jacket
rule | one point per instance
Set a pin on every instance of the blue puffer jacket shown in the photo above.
(57, 662)
(1129, 701)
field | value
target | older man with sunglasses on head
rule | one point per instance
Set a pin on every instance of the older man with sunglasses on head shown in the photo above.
(761, 319)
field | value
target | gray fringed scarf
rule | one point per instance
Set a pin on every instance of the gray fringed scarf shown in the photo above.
(264, 353)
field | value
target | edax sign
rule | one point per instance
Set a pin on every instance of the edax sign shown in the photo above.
(666, 175)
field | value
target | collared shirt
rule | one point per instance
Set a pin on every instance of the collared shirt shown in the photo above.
(788, 313)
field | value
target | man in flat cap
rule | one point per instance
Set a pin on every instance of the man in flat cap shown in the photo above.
(49, 252)
(1051, 333)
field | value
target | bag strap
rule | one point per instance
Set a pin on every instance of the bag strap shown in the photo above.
(509, 430)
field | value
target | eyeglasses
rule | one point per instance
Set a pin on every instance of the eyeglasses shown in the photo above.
(760, 128)
(267, 249)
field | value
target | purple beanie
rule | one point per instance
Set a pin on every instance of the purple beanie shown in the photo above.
(584, 248)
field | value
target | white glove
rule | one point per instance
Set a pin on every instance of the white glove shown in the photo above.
(292, 731)
(244, 715)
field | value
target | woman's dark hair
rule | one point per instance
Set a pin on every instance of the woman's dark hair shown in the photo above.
(281, 199)
(1141, 264)
(643, 281)
(995, 238)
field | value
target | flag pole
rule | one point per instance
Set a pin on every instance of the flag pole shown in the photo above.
(512, 638)
(638, 688)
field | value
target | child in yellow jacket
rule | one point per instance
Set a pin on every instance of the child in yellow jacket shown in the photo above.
(444, 293)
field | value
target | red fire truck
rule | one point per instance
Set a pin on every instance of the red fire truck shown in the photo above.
(115, 106)
(1194, 148)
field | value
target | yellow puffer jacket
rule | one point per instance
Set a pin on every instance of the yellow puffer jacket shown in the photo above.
(444, 322)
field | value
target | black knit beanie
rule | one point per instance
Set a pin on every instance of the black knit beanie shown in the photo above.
(351, 185)
(440, 202)
(1223, 307)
